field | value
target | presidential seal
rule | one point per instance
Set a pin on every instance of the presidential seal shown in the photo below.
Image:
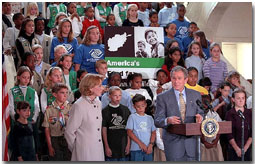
(210, 127)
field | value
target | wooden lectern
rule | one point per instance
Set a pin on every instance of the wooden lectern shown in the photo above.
(194, 129)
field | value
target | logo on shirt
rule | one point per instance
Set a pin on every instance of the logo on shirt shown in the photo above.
(68, 47)
(96, 53)
(117, 122)
(183, 30)
(143, 126)
(171, 16)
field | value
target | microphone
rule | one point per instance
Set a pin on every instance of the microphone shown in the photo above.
(240, 113)
(199, 103)
(209, 106)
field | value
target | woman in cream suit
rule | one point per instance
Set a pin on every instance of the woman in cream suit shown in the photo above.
(83, 130)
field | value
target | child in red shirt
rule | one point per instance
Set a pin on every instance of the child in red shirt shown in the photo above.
(89, 20)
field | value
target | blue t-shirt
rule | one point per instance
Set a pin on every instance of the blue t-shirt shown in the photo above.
(54, 64)
(142, 127)
(167, 15)
(87, 56)
(181, 28)
(166, 39)
(185, 43)
(105, 82)
(70, 47)
(207, 51)
(144, 16)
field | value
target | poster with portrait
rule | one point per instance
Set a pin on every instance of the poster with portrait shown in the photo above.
(134, 49)
(149, 42)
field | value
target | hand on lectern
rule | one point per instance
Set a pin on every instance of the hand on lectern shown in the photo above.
(199, 118)
(174, 120)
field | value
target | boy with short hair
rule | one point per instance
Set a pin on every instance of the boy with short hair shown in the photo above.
(11, 34)
(182, 24)
(9, 48)
(115, 116)
(44, 39)
(141, 47)
(141, 130)
(55, 119)
(76, 20)
(101, 68)
(188, 39)
(167, 14)
(143, 13)
(7, 16)
(153, 16)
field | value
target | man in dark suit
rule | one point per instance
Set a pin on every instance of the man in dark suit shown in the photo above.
(176, 106)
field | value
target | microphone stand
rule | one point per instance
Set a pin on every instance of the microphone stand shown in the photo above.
(240, 113)
(242, 144)
(198, 148)
(199, 137)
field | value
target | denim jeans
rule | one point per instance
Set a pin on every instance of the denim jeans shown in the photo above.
(116, 159)
(139, 155)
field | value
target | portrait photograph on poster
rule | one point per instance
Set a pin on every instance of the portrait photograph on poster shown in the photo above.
(149, 42)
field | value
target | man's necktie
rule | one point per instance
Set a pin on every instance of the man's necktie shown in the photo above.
(182, 106)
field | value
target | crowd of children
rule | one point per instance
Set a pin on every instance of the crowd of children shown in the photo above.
(60, 67)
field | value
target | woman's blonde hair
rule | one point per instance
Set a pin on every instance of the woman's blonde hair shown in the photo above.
(29, 6)
(20, 71)
(129, 8)
(89, 81)
(86, 39)
(48, 82)
(59, 32)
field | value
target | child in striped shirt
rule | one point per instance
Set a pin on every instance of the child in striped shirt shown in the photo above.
(214, 68)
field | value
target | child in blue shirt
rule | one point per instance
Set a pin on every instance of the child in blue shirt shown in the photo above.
(170, 33)
(141, 130)
(167, 14)
(64, 37)
(89, 51)
(182, 24)
(188, 39)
